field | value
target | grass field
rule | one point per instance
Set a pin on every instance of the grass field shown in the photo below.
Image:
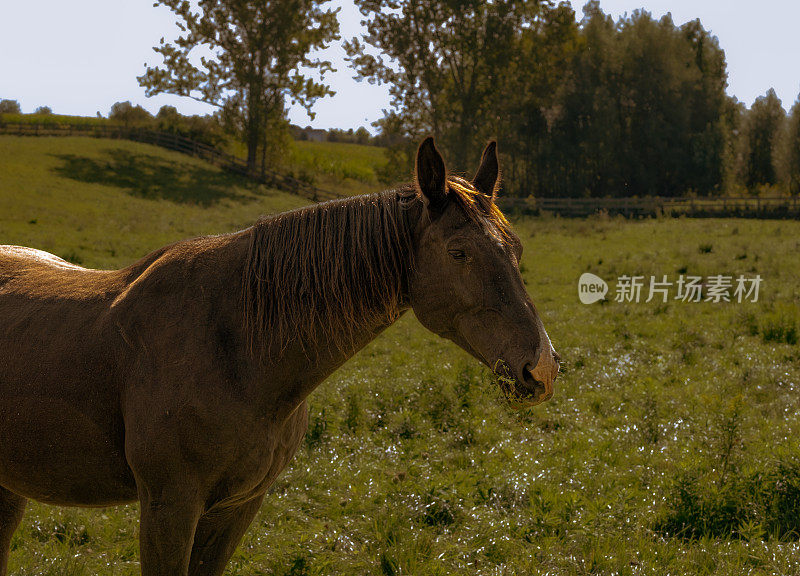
(672, 445)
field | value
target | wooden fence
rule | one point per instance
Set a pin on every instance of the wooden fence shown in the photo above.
(177, 143)
(721, 206)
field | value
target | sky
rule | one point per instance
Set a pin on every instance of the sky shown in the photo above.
(81, 56)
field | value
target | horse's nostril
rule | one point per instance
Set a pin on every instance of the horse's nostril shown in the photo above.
(527, 373)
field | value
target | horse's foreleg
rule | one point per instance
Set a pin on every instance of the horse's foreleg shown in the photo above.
(166, 532)
(12, 507)
(218, 534)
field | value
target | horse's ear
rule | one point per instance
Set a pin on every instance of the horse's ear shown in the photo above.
(431, 174)
(487, 178)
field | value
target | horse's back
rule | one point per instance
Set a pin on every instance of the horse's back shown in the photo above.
(40, 274)
(24, 256)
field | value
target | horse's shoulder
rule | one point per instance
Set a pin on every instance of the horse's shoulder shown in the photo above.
(175, 256)
(187, 265)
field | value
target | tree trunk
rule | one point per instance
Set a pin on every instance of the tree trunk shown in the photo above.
(254, 128)
(466, 135)
(253, 141)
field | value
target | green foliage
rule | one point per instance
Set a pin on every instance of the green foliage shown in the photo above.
(129, 115)
(260, 55)
(317, 428)
(206, 129)
(9, 107)
(635, 107)
(52, 120)
(442, 61)
(400, 151)
(632, 108)
(781, 325)
(791, 151)
(762, 503)
(764, 123)
(43, 111)
(350, 136)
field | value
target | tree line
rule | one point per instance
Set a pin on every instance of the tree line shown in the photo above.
(582, 107)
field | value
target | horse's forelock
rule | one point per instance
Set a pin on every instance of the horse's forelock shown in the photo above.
(479, 207)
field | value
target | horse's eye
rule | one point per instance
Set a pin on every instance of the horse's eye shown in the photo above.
(458, 255)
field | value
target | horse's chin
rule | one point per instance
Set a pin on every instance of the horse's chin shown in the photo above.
(518, 402)
(520, 397)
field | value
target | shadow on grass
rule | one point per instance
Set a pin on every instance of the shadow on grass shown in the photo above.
(153, 177)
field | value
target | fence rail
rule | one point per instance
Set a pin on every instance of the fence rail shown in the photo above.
(721, 206)
(177, 143)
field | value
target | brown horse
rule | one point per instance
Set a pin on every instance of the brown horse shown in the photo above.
(181, 381)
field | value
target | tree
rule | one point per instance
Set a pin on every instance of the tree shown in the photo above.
(443, 62)
(763, 127)
(129, 115)
(204, 129)
(43, 110)
(713, 112)
(9, 107)
(259, 50)
(536, 94)
(733, 155)
(791, 160)
(168, 117)
(636, 107)
(363, 136)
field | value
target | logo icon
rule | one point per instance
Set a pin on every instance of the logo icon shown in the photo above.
(591, 288)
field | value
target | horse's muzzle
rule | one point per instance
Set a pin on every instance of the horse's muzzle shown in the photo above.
(536, 383)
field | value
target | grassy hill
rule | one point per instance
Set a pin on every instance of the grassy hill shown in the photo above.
(341, 167)
(104, 203)
(672, 445)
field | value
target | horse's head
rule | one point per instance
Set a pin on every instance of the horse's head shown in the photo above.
(466, 284)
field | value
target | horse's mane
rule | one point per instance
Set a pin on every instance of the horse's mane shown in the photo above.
(330, 268)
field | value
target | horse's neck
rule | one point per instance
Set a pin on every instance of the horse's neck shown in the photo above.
(301, 369)
(302, 365)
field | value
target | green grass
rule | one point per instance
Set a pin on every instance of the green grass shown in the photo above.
(338, 166)
(672, 444)
(347, 169)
